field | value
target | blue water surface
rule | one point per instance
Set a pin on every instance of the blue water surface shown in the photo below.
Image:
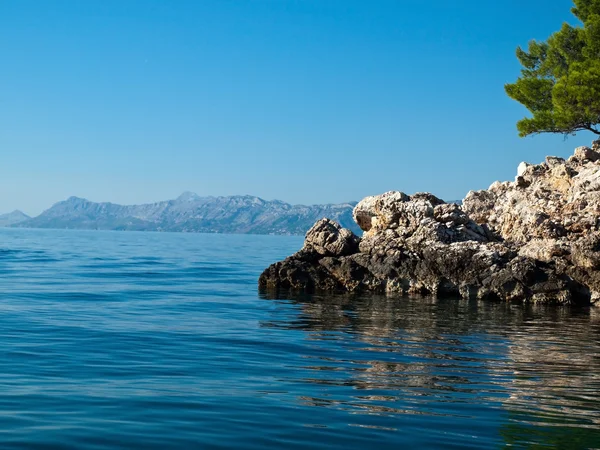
(162, 340)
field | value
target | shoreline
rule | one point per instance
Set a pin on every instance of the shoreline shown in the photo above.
(535, 239)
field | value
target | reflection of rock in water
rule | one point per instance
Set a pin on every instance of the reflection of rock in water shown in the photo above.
(386, 316)
(556, 380)
(426, 356)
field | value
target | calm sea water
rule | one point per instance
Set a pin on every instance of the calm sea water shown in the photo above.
(150, 340)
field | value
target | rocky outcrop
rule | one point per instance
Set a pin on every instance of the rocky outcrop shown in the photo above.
(550, 201)
(535, 239)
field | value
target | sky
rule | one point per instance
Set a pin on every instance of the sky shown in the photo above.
(306, 101)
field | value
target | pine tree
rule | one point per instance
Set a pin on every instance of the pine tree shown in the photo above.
(560, 79)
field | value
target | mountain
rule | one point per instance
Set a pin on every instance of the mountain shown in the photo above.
(192, 213)
(12, 218)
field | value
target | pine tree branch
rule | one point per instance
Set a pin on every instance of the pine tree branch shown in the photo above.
(592, 129)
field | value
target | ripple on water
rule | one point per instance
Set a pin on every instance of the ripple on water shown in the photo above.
(148, 340)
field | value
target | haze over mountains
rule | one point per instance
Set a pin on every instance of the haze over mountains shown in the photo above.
(12, 218)
(189, 213)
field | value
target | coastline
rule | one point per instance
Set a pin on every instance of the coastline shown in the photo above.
(536, 239)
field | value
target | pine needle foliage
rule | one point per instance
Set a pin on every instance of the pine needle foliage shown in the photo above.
(560, 78)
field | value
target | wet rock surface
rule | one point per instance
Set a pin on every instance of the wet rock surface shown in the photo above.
(534, 239)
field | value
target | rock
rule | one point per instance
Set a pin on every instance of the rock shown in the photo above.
(585, 154)
(536, 239)
(522, 168)
(298, 274)
(379, 211)
(559, 200)
(544, 249)
(327, 238)
(554, 161)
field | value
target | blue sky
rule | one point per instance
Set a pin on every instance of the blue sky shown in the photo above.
(307, 101)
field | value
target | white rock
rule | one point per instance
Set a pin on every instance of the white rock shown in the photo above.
(522, 168)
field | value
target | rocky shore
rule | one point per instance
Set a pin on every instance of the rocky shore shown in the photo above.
(533, 239)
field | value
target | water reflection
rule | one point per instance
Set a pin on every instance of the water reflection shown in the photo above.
(528, 374)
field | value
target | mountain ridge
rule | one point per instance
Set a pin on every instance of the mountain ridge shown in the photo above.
(13, 218)
(190, 212)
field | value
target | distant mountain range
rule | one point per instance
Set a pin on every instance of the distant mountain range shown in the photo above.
(12, 218)
(190, 213)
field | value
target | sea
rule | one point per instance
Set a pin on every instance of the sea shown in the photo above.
(128, 340)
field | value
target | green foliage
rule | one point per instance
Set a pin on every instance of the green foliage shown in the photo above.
(560, 78)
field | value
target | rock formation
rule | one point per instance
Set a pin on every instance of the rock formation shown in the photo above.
(534, 239)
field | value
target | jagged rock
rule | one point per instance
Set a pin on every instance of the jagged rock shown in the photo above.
(585, 153)
(536, 239)
(379, 212)
(328, 238)
(558, 200)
